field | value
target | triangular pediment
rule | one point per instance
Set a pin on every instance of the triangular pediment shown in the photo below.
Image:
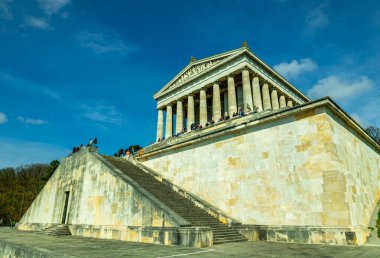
(196, 68)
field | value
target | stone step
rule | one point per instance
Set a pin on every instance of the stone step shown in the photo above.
(217, 242)
(57, 230)
(220, 238)
(178, 203)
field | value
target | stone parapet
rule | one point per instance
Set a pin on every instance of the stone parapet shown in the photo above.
(185, 236)
(304, 234)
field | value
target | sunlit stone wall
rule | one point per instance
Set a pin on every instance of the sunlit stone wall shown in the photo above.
(305, 167)
(98, 197)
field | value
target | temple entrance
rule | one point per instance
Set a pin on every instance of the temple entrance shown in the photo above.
(64, 215)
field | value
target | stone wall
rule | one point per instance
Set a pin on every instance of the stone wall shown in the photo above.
(305, 166)
(98, 196)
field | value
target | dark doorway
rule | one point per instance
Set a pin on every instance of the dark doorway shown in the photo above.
(67, 194)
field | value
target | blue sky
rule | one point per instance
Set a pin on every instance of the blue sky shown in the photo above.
(74, 69)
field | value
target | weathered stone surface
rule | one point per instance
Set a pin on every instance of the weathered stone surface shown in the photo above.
(299, 234)
(32, 245)
(307, 166)
(98, 196)
(105, 203)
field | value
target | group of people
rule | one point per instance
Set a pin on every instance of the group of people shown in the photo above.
(92, 143)
(130, 152)
(124, 152)
(161, 139)
(196, 126)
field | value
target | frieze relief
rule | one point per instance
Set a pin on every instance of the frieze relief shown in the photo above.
(195, 70)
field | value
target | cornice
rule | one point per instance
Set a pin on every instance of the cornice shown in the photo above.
(230, 55)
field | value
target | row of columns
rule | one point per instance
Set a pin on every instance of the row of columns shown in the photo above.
(253, 96)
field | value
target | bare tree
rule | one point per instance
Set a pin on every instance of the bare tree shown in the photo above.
(374, 132)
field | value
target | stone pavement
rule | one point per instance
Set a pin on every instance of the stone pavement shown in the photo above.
(38, 245)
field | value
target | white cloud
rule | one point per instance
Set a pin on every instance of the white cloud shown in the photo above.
(339, 88)
(295, 67)
(52, 6)
(361, 120)
(317, 18)
(15, 152)
(5, 10)
(30, 121)
(104, 44)
(3, 118)
(37, 23)
(99, 112)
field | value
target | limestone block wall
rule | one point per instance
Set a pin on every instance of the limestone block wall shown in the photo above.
(97, 196)
(358, 173)
(301, 167)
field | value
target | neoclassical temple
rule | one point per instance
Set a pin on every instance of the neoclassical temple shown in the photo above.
(289, 169)
(220, 86)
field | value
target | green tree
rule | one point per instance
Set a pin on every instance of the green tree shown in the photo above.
(374, 132)
(50, 170)
(20, 186)
(135, 147)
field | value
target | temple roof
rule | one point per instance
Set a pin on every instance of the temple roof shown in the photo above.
(196, 68)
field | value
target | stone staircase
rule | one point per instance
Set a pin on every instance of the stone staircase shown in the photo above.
(57, 230)
(179, 204)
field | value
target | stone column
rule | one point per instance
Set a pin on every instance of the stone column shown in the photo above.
(190, 111)
(202, 107)
(231, 96)
(179, 117)
(239, 96)
(225, 103)
(266, 98)
(169, 122)
(290, 103)
(160, 124)
(282, 101)
(247, 94)
(257, 94)
(274, 99)
(216, 107)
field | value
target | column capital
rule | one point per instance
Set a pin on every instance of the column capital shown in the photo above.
(231, 75)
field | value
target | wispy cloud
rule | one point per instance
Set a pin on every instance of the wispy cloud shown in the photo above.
(5, 10)
(9, 80)
(102, 43)
(52, 6)
(340, 89)
(317, 18)
(366, 113)
(14, 152)
(3, 118)
(30, 121)
(100, 112)
(38, 23)
(295, 67)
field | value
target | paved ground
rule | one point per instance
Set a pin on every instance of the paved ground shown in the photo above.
(88, 247)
